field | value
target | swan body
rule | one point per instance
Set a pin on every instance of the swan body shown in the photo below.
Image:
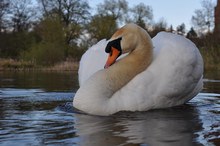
(164, 72)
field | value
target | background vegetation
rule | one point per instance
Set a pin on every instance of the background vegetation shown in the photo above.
(47, 32)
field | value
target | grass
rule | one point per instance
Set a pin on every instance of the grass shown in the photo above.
(10, 64)
(63, 66)
(210, 56)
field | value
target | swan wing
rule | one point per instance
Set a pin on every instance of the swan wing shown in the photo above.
(92, 61)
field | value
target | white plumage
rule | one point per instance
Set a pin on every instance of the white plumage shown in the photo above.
(173, 77)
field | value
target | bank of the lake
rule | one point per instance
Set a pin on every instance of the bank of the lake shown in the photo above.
(211, 62)
(16, 65)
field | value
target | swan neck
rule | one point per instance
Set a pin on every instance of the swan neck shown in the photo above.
(128, 67)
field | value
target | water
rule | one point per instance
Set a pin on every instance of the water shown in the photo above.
(36, 109)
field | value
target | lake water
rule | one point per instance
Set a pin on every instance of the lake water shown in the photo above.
(36, 109)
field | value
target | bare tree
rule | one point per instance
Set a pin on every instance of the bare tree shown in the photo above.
(69, 11)
(101, 27)
(161, 25)
(203, 20)
(72, 14)
(142, 14)
(181, 29)
(4, 5)
(22, 14)
(115, 8)
(191, 34)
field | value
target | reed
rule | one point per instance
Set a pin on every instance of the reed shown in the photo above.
(63, 66)
(18, 65)
(211, 57)
(10, 64)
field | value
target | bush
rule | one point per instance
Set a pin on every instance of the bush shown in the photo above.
(52, 47)
(45, 53)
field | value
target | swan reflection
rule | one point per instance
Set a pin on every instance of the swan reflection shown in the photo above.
(166, 127)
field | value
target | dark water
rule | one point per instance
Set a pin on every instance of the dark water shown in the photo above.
(36, 109)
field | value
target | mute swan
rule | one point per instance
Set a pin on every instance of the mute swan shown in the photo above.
(164, 73)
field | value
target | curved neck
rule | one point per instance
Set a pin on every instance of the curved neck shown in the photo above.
(134, 63)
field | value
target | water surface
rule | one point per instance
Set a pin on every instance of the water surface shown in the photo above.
(36, 109)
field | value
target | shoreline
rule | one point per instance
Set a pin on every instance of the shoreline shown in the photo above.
(13, 65)
(66, 66)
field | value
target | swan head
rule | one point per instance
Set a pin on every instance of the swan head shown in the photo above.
(124, 40)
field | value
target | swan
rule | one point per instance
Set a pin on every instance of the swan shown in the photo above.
(131, 72)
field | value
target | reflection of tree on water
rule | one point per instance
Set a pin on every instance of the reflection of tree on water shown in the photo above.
(166, 127)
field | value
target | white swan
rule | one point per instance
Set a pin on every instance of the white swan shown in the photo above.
(165, 73)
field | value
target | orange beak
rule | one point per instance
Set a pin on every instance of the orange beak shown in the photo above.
(113, 55)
